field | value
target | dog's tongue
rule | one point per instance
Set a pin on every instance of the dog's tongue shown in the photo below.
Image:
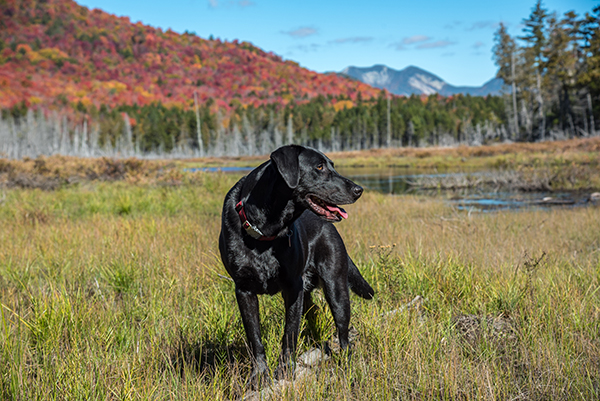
(341, 211)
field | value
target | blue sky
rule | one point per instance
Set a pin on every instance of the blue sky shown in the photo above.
(452, 39)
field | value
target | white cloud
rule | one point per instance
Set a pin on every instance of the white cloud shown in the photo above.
(434, 45)
(356, 39)
(452, 24)
(313, 47)
(301, 32)
(415, 39)
(483, 25)
(231, 3)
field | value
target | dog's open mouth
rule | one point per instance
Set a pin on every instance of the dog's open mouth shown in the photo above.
(325, 210)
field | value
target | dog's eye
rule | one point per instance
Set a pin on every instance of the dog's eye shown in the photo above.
(320, 167)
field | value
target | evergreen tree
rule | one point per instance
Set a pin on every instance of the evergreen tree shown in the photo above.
(589, 79)
(535, 38)
(505, 55)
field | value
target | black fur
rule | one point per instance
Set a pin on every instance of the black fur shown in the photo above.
(284, 198)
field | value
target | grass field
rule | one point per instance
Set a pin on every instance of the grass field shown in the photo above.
(110, 289)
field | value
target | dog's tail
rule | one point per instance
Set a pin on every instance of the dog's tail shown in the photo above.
(357, 282)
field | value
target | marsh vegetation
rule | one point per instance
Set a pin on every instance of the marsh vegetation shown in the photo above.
(111, 288)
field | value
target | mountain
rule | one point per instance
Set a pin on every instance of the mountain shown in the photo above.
(414, 80)
(57, 54)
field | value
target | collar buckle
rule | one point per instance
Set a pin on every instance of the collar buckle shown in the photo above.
(251, 230)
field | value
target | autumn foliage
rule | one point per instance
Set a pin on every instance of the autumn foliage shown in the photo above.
(56, 54)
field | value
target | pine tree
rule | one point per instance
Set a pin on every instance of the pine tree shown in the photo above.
(535, 37)
(589, 79)
(562, 59)
(505, 53)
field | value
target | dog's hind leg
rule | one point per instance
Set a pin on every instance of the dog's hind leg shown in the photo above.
(338, 298)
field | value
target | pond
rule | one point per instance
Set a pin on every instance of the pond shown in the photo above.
(467, 190)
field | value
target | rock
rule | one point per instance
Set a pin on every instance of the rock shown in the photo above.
(595, 197)
(312, 357)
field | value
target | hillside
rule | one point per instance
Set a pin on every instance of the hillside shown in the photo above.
(55, 53)
(416, 81)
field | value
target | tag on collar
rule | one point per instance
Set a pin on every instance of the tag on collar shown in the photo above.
(251, 230)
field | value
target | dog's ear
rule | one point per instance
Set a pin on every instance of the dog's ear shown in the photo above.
(286, 161)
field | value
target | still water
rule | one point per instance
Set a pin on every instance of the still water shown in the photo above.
(476, 198)
(399, 180)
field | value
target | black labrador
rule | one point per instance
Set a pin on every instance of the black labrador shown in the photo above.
(276, 235)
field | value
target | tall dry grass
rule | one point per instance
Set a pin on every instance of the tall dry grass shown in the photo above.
(111, 290)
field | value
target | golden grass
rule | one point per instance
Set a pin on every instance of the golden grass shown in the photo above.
(581, 150)
(110, 290)
(474, 156)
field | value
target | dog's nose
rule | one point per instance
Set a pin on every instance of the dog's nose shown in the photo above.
(357, 190)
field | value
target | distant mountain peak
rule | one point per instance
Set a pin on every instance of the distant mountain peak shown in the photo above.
(414, 80)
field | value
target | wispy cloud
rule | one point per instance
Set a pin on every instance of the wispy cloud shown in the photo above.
(301, 32)
(420, 42)
(230, 3)
(483, 25)
(478, 44)
(313, 47)
(453, 24)
(415, 39)
(355, 39)
(409, 40)
(435, 45)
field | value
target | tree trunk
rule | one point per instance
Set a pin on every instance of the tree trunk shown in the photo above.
(389, 123)
(198, 126)
(540, 100)
(592, 126)
(514, 97)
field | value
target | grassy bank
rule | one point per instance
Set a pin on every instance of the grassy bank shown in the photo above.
(578, 151)
(111, 290)
(548, 166)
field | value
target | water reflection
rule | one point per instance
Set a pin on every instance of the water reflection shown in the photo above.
(471, 198)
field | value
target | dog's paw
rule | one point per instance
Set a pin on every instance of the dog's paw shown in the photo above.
(285, 370)
(260, 377)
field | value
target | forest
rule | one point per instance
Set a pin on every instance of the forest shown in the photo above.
(86, 85)
(552, 71)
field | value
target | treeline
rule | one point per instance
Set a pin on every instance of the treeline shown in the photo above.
(552, 72)
(326, 123)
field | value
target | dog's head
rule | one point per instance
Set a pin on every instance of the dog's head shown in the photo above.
(315, 183)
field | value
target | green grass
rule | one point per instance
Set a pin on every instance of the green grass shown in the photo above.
(112, 291)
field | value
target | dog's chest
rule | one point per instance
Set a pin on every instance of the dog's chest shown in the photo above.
(269, 270)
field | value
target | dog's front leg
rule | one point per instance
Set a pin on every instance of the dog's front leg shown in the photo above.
(293, 298)
(248, 304)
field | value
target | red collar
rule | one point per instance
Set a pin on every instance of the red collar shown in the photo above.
(251, 230)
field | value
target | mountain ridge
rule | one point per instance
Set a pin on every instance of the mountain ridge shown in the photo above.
(57, 53)
(414, 80)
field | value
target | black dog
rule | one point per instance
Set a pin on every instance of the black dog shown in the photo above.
(276, 235)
